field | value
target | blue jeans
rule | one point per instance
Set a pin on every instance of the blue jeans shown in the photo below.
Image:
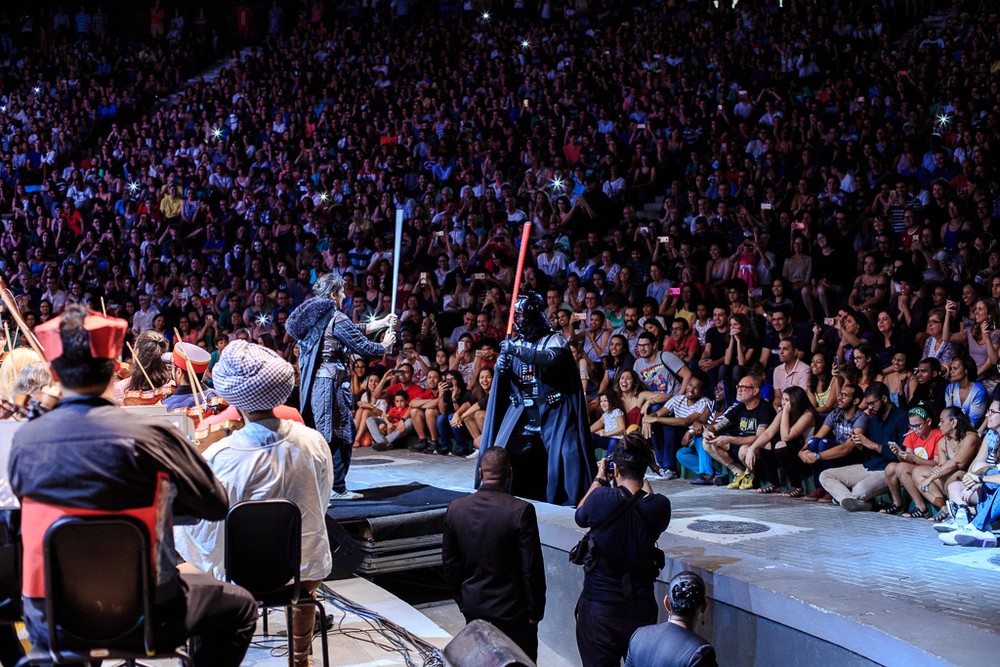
(821, 445)
(695, 458)
(988, 509)
(665, 439)
(605, 443)
(450, 436)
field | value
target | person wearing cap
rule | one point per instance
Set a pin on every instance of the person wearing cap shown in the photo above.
(86, 455)
(326, 337)
(186, 355)
(268, 458)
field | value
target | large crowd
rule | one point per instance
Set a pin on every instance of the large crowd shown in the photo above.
(789, 208)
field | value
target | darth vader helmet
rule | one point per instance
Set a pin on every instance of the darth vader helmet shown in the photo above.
(529, 316)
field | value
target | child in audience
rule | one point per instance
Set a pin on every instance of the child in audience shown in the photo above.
(396, 422)
(920, 447)
(609, 429)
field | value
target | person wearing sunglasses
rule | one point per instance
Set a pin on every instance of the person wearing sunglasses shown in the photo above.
(734, 432)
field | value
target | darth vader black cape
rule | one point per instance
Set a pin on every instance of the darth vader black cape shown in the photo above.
(569, 455)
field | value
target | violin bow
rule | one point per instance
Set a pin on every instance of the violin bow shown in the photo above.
(199, 393)
(135, 360)
(11, 303)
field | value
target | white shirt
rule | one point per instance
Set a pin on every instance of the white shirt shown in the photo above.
(143, 319)
(258, 463)
(58, 300)
(551, 267)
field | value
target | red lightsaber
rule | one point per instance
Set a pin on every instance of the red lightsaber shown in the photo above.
(525, 239)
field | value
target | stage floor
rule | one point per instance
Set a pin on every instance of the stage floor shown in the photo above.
(884, 572)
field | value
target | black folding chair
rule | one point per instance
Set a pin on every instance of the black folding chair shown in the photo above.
(98, 602)
(10, 585)
(264, 554)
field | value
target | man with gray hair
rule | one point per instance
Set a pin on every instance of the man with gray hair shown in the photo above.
(326, 339)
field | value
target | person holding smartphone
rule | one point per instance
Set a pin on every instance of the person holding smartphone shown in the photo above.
(919, 448)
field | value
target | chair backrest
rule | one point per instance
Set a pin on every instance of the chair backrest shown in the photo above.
(10, 565)
(264, 545)
(98, 582)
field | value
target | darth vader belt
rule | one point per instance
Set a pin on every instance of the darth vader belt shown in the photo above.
(551, 399)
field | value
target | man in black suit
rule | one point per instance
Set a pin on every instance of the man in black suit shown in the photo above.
(493, 556)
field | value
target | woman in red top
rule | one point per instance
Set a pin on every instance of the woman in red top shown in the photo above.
(628, 388)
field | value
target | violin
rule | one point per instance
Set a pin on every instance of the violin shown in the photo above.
(148, 396)
(13, 410)
(123, 369)
(209, 408)
(44, 400)
(26, 408)
(212, 433)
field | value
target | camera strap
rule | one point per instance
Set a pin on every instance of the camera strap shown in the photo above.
(619, 511)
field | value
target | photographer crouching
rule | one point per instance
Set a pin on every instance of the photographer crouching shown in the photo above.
(621, 560)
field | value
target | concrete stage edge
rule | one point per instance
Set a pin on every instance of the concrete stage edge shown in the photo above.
(766, 613)
(823, 586)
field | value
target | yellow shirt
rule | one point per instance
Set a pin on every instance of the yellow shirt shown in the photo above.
(170, 206)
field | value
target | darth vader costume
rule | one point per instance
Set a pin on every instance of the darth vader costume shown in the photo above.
(538, 412)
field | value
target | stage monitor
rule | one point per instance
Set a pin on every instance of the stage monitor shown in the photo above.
(480, 644)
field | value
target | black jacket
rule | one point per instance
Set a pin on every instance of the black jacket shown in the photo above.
(493, 556)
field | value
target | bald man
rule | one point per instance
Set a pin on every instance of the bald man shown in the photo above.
(493, 556)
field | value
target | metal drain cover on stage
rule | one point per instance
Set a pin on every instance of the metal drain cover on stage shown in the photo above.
(371, 461)
(728, 527)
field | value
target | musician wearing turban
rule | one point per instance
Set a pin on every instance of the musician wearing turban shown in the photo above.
(266, 459)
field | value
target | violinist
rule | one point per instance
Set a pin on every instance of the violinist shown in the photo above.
(151, 378)
(86, 455)
(34, 394)
(185, 354)
(11, 368)
(269, 457)
(32, 379)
